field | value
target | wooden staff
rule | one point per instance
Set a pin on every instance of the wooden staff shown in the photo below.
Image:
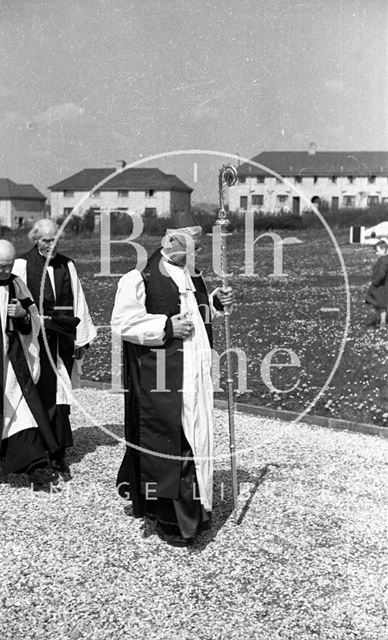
(227, 177)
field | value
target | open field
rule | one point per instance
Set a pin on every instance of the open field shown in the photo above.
(304, 312)
(305, 560)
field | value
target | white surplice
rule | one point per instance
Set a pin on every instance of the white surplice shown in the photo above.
(17, 414)
(133, 323)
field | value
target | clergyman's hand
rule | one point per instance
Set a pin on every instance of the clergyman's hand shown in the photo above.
(182, 327)
(79, 352)
(15, 309)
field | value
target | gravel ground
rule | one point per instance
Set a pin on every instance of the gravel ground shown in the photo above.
(305, 557)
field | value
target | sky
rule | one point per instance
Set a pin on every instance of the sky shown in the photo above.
(85, 83)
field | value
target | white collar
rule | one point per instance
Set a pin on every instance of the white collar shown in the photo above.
(180, 275)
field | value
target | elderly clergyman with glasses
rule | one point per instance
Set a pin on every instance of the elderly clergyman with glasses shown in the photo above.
(163, 315)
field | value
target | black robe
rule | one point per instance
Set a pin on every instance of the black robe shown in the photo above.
(377, 294)
(60, 326)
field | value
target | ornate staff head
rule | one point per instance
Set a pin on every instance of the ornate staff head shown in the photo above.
(227, 177)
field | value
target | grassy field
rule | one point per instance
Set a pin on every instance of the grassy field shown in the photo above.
(304, 311)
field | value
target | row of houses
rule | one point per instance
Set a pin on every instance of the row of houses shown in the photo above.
(273, 181)
(140, 190)
(335, 179)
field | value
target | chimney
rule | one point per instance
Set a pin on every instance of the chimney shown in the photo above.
(312, 149)
(120, 164)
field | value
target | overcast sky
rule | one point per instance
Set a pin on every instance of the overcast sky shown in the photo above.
(87, 82)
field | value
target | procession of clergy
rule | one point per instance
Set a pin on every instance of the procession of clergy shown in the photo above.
(163, 315)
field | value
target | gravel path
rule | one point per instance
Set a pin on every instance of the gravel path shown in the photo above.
(307, 557)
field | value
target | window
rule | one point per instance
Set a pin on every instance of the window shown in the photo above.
(68, 194)
(350, 179)
(122, 193)
(258, 199)
(149, 193)
(372, 179)
(334, 179)
(96, 194)
(349, 201)
(315, 179)
(244, 202)
(282, 199)
(372, 201)
(242, 179)
(67, 211)
(279, 180)
(298, 179)
(260, 179)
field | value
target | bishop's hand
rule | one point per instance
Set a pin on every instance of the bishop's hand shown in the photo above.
(226, 296)
(182, 327)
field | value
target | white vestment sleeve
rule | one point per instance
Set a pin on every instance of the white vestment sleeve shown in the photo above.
(86, 331)
(20, 269)
(130, 319)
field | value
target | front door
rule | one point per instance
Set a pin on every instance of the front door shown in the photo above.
(296, 206)
(244, 202)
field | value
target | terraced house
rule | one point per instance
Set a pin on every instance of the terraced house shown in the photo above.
(138, 190)
(335, 179)
(20, 204)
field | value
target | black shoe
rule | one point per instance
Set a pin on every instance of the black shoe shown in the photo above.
(172, 538)
(43, 476)
(60, 465)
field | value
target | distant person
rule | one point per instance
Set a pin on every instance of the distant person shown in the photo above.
(25, 433)
(377, 294)
(69, 328)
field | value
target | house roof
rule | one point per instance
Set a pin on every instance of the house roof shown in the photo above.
(10, 190)
(321, 163)
(131, 179)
